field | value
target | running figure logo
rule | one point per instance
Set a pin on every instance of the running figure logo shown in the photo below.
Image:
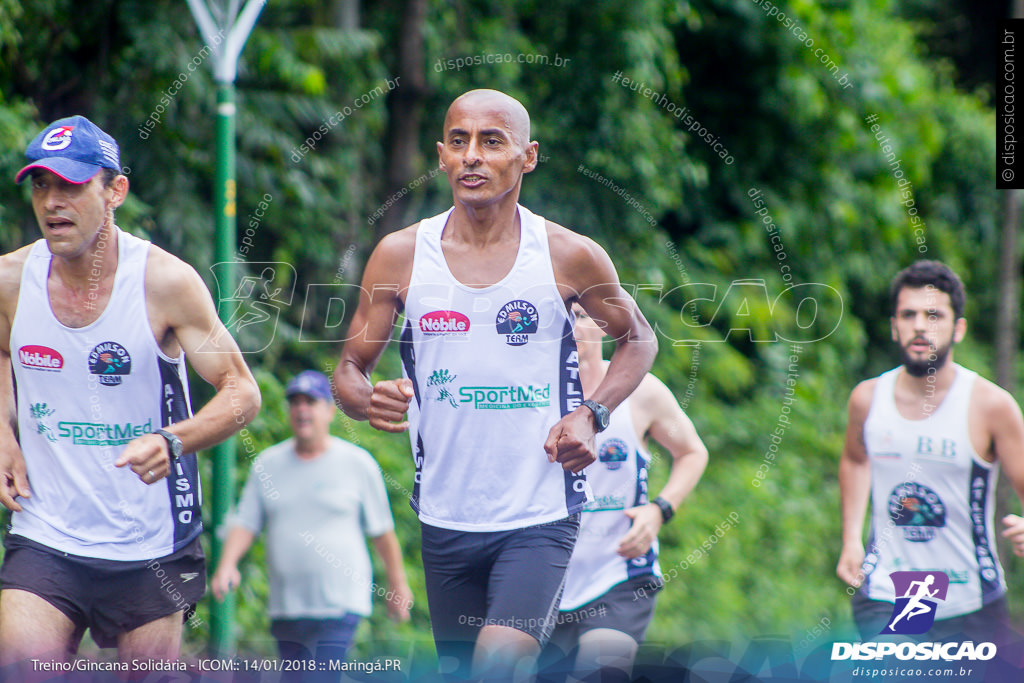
(437, 387)
(39, 412)
(918, 595)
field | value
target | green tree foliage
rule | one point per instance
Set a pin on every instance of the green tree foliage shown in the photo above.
(637, 164)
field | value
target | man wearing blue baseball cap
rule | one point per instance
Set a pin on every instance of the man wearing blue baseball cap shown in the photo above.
(101, 475)
(316, 496)
(73, 148)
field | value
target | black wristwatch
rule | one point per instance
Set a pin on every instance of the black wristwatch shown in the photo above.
(601, 414)
(174, 444)
(666, 509)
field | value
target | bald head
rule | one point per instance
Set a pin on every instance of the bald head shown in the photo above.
(480, 102)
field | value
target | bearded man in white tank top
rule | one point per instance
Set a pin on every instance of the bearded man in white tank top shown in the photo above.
(499, 428)
(102, 477)
(924, 443)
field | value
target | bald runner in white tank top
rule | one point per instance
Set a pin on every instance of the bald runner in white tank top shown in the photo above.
(493, 369)
(491, 394)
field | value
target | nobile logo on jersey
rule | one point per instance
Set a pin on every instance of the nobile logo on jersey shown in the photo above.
(917, 597)
(613, 453)
(517, 320)
(35, 357)
(446, 323)
(110, 362)
(917, 511)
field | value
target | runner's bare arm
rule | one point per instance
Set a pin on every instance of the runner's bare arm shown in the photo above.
(227, 576)
(854, 485)
(183, 317)
(13, 479)
(670, 427)
(11, 267)
(399, 596)
(585, 273)
(385, 281)
(1006, 426)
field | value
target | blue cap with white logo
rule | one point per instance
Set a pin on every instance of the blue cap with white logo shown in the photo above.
(74, 148)
(310, 383)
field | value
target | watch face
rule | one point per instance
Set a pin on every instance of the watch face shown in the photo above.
(174, 444)
(600, 414)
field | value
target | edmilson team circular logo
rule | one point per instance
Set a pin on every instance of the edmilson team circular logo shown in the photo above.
(110, 362)
(917, 510)
(517, 320)
(613, 453)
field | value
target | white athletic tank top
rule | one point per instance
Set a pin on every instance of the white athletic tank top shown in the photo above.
(493, 369)
(82, 394)
(947, 494)
(619, 481)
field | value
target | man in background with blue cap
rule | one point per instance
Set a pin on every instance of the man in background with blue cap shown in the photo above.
(316, 496)
(97, 448)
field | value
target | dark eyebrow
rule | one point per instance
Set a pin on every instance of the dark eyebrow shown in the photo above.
(487, 132)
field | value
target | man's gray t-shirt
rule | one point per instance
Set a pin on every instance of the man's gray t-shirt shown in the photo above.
(315, 514)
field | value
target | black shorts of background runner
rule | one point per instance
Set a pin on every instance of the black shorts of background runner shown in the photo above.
(108, 597)
(989, 624)
(504, 578)
(626, 607)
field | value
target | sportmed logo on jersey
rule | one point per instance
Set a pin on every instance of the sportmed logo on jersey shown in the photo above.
(609, 501)
(613, 453)
(101, 433)
(917, 510)
(447, 323)
(35, 357)
(110, 361)
(508, 397)
(917, 595)
(517, 320)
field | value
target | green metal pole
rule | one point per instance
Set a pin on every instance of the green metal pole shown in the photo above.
(222, 614)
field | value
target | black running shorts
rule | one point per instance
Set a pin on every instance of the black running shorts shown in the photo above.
(107, 596)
